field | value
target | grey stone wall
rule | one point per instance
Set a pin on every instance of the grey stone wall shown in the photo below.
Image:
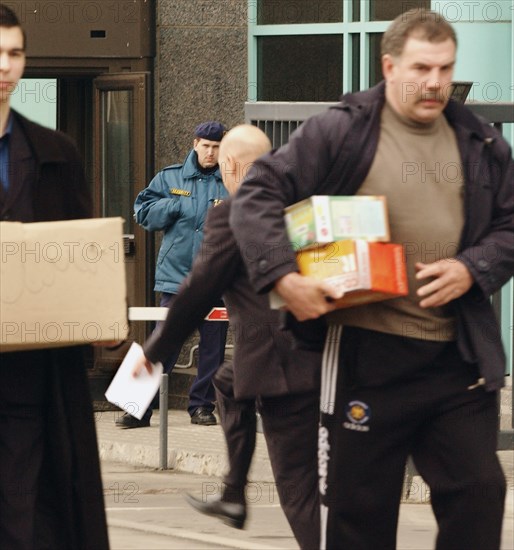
(201, 70)
(200, 74)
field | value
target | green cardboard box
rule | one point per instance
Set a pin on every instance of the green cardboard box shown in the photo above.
(325, 219)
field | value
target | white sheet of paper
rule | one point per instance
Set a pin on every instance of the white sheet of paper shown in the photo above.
(134, 394)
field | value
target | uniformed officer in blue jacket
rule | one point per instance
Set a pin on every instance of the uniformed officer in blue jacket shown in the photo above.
(176, 202)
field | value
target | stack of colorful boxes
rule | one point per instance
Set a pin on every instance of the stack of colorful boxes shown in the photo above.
(344, 241)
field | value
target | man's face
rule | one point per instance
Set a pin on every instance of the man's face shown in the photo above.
(207, 152)
(12, 60)
(418, 81)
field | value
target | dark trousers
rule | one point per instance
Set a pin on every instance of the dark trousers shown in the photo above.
(31, 507)
(290, 425)
(211, 353)
(239, 423)
(23, 405)
(50, 486)
(384, 398)
(21, 457)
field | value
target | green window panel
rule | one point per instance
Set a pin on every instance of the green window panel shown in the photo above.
(314, 50)
(356, 10)
(356, 60)
(375, 59)
(300, 68)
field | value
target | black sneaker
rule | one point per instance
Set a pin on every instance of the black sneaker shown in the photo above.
(203, 417)
(128, 421)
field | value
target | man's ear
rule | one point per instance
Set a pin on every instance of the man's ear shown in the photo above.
(231, 163)
(387, 66)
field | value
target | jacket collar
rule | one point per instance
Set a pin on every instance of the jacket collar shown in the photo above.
(191, 169)
(373, 97)
(45, 150)
(458, 115)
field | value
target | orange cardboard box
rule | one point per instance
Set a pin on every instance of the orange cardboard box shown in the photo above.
(365, 271)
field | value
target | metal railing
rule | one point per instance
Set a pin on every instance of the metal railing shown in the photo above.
(217, 314)
(279, 119)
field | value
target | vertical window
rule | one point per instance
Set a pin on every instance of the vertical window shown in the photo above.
(117, 171)
(356, 61)
(300, 68)
(375, 61)
(356, 10)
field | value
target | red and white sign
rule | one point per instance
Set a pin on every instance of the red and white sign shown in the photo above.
(217, 314)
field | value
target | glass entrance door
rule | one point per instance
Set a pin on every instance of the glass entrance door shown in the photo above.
(120, 162)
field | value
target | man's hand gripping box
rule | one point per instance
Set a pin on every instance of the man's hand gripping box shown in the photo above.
(62, 283)
(365, 271)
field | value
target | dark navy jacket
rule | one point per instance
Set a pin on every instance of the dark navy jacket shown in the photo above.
(331, 154)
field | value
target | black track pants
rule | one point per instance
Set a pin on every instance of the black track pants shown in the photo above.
(384, 398)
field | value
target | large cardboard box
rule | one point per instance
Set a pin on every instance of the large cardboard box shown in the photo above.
(324, 219)
(61, 283)
(365, 271)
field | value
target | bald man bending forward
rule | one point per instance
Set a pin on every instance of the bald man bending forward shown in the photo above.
(284, 381)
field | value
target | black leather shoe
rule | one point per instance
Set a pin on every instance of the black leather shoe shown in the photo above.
(231, 513)
(203, 417)
(128, 421)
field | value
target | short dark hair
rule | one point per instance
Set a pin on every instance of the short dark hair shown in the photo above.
(9, 19)
(419, 23)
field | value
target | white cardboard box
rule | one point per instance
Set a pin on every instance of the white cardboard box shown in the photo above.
(61, 283)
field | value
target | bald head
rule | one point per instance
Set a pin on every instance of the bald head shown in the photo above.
(239, 148)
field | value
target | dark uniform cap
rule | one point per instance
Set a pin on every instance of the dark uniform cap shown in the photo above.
(213, 131)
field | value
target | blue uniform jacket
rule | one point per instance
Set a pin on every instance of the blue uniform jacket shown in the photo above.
(176, 202)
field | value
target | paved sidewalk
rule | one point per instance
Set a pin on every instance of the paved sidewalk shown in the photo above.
(201, 450)
(191, 448)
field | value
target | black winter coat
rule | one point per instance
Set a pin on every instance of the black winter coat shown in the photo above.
(49, 187)
(331, 154)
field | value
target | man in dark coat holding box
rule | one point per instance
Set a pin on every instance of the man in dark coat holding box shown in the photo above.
(416, 375)
(50, 485)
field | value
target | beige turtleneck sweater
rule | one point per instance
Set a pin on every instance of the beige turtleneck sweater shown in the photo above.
(418, 168)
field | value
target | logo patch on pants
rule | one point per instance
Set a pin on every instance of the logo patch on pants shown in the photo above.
(358, 414)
